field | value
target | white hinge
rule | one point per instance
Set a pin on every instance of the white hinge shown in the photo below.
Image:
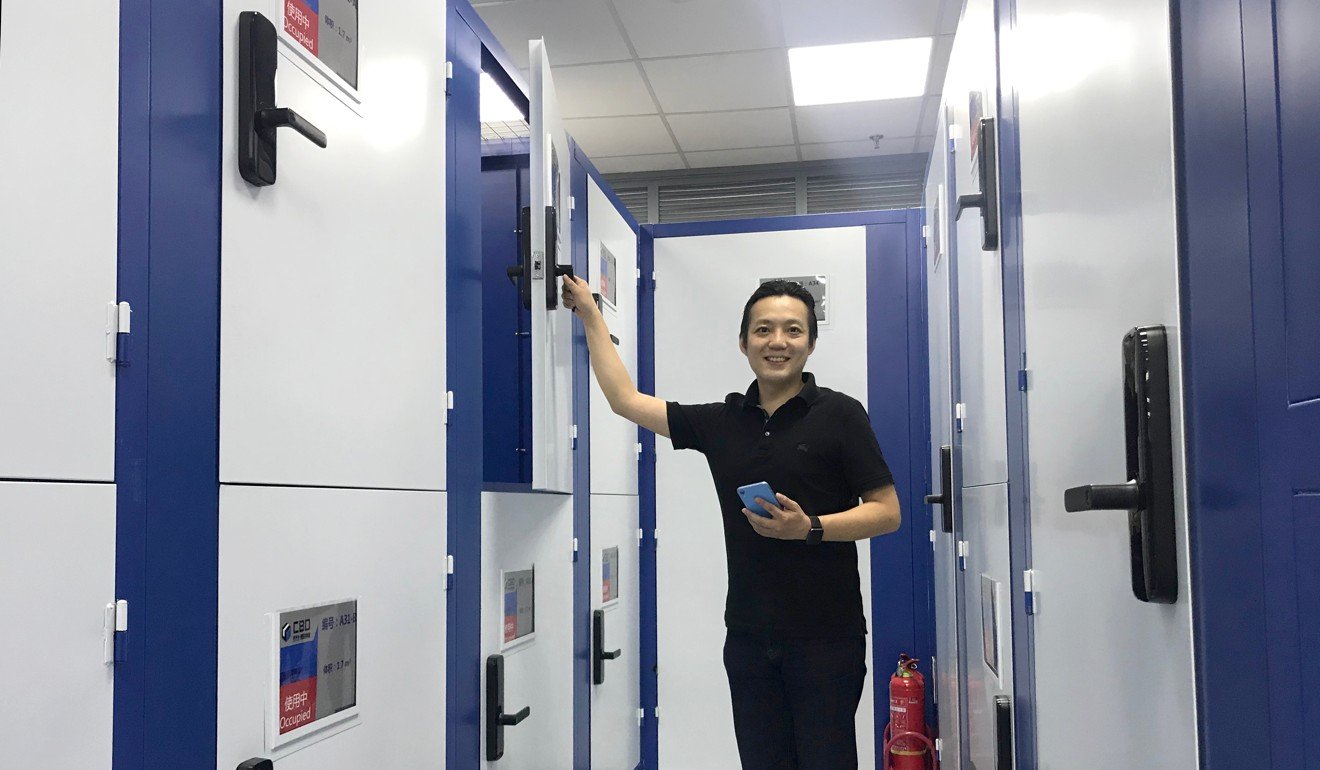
(959, 414)
(572, 205)
(572, 442)
(641, 714)
(449, 571)
(962, 555)
(939, 749)
(115, 633)
(638, 448)
(118, 323)
(655, 537)
(641, 533)
(1029, 590)
(449, 70)
(925, 235)
(656, 712)
(449, 404)
(575, 549)
(932, 537)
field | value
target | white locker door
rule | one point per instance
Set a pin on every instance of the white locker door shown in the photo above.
(946, 669)
(615, 735)
(332, 339)
(980, 446)
(552, 329)
(57, 564)
(522, 533)
(59, 188)
(59, 180)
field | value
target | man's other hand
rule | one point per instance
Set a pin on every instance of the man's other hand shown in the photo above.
(787, 520)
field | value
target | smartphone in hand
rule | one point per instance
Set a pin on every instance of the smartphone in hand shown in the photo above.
(762, 490)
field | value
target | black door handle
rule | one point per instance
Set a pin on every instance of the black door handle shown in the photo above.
(496, 719)
(258, 117)
(283, 117)
(598, 653)
(256, 763)
(1148, 496)
(987, 200)
(1003, 733)
(945, 498)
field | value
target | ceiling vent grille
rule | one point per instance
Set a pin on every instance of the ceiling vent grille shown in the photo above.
(693, 202)
(830, 193)
(637, 201)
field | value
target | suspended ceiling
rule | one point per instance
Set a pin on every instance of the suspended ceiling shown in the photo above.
(654, 85)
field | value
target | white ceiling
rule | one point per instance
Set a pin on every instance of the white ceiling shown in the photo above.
(650, 85)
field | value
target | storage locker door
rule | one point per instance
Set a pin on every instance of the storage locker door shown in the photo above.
(616, 595)
(552, 327)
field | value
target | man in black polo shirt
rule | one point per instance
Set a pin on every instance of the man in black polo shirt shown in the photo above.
(796, 647)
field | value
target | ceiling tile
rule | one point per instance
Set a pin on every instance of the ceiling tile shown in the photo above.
(724, 82)
(627, 164)
(603, 137)
(856, 121)
(863, 149)
(727, 130)
(742, 157)
(598, 90)
(575, 31)
(661, 28)
(857, 21)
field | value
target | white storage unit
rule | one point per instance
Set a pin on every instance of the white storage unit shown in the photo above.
(702, 284)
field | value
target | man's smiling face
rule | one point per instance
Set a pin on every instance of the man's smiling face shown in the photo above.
(777, 343)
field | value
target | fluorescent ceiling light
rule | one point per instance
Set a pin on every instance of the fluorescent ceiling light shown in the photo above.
(496, 106)
(859, 72)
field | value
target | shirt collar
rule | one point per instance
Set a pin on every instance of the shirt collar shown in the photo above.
(808, 394)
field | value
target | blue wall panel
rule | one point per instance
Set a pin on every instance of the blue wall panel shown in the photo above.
(582, 602)
(465, 377)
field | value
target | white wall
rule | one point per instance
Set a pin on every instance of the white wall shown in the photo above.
(702, 284)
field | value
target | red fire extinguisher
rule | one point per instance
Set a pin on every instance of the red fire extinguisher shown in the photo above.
(907, 746)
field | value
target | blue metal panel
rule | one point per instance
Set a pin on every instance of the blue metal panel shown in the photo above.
(646, 500)
(168, 404)
(1015, 359)
(581, 487)
(594, 173)
(465, 377)
(505, 325)
(129, 745)
(900, 563)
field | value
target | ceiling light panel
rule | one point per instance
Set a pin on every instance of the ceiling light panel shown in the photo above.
(859, 72)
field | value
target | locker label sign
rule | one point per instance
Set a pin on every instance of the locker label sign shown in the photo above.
(317, 649)
(608, 268)
(519, 616)
(609, 575)
(328, 30)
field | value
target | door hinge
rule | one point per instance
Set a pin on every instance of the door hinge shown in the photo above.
(575, 550)
(116, 632)
(1024, 379)
(638, 448)
(572, 206)
(962, 555)
(449, 571)
(925, 235)
(932, 537)
(449, 75)
(655, 538)
(959, 414)
(573, 439)
(939, 749)
(641, 714)
(655, 711)
(641, 533)
(449, 404)
(1029, 590)
(118, 324)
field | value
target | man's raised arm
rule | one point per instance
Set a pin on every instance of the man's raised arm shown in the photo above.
(625, 400)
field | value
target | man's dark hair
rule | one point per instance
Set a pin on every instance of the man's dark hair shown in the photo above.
(779, 288)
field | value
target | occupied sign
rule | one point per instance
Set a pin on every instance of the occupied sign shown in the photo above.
(318, 663)
(327, 29)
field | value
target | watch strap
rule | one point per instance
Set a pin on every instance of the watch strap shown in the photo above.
(816, 533)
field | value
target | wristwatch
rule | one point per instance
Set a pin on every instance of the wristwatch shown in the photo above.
(816, 533)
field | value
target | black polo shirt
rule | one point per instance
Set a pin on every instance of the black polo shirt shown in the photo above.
(819, 450)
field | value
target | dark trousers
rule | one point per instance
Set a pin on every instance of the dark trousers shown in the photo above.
(795, 702)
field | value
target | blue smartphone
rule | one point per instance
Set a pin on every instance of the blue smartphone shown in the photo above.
(762, 490)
